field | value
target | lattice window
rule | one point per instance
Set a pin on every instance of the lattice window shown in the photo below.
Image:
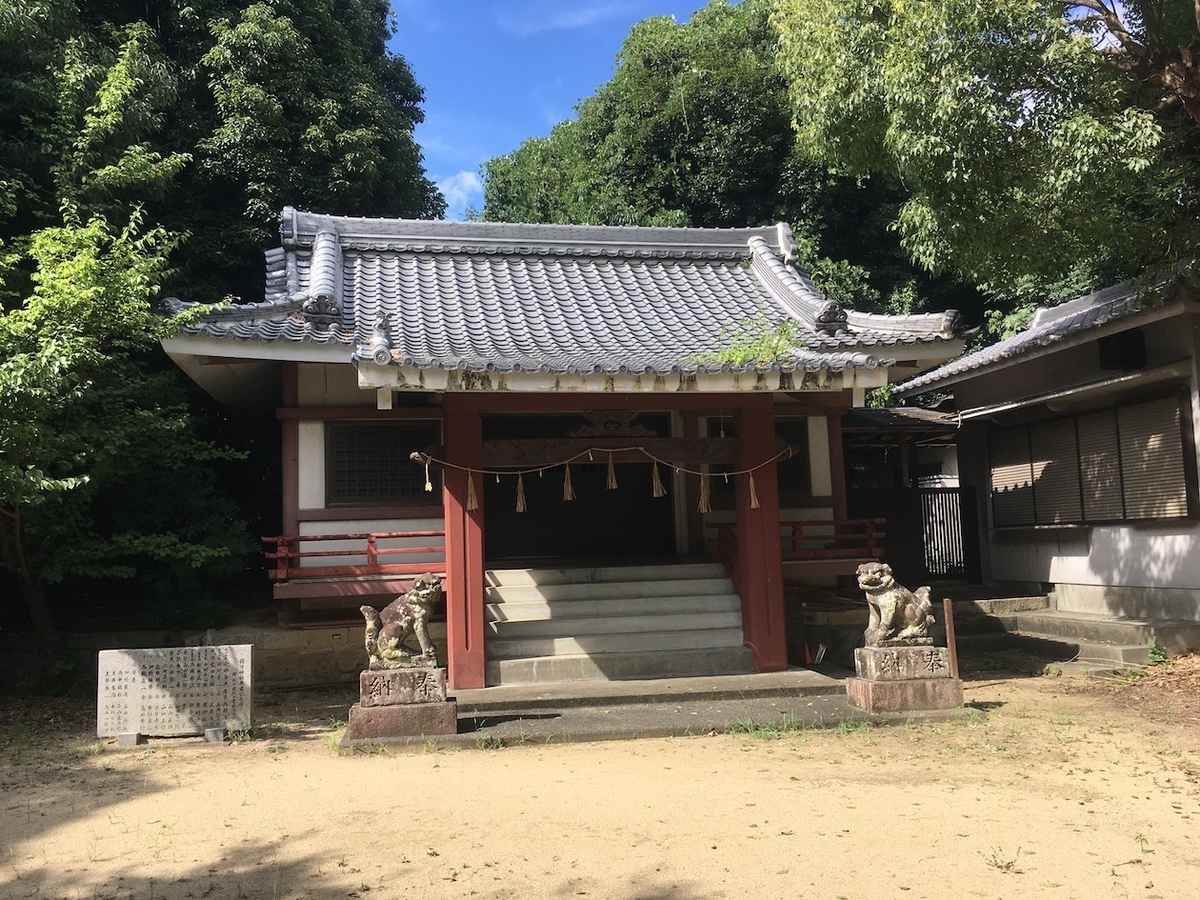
(368, 464)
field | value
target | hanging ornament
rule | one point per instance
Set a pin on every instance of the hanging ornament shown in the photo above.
(611, 481)
(428, 483)
(656, 483)
(472, 499)
(520, 492)
(568, 489)
(753, 493)
(704, 505)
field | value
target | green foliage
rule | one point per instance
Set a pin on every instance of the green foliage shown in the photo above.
(90, 437)
(688, 131)
(694, 129)
(756, 342)
(1028, 148)
(222, 113)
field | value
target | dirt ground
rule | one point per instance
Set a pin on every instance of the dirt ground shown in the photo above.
(1049, 787)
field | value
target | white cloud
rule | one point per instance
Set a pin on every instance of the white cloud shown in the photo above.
(535, 18)
(460, 190)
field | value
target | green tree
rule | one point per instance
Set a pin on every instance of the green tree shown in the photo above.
(694, 129)
(1037, 139)
(79, 414)
(276, 102)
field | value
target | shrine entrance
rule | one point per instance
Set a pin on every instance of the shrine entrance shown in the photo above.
(622, 523)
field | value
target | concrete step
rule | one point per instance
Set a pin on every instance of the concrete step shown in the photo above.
(582, 626)
(651, 642)
(1056, 649)
(1090, 627)
(964, 609)
(609, 590)
(620, 666)
(594, 574)
(510, 611)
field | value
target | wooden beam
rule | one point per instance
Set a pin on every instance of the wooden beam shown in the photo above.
(686, 452)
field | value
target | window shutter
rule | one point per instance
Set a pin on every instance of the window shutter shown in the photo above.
(1055, 461)
(1012, 479)
(1100, 467)
(1152, 460)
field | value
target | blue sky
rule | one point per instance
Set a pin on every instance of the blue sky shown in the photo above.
(497, 72)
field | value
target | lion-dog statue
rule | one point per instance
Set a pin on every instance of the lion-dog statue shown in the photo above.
(897, 615)
(406, 617)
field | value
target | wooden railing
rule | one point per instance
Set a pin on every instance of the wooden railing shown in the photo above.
(289, 556)
(818, 546)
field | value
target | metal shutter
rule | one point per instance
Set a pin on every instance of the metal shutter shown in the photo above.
(1152, 460)
(1055, 461)
(1100, 467)
(1012, 479)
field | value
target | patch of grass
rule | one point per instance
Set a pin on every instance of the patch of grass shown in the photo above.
(488, 742)
(1158, 653)
(765, 731)
(1001, 862)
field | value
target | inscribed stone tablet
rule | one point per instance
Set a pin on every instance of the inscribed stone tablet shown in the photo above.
(174, 690)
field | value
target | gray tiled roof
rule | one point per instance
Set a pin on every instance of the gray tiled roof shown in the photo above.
(551, 298)
(1049, 326)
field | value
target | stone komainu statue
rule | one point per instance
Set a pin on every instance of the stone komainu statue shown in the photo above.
(898, 615)
(405, 618)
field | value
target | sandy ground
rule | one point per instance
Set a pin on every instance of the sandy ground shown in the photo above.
(1047, 789)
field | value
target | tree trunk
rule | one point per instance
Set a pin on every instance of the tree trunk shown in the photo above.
(13, 546)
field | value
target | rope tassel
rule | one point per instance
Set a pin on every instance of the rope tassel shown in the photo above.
(656, 483)
(520, 493)
(704, 505)
(753, 493)
(611, 482)
(568, 488)
(472, 498)
(428, 483)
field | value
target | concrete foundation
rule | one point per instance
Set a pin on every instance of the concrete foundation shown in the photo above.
(373, 723)
(903, 678)
(901, 696)
(399, 703)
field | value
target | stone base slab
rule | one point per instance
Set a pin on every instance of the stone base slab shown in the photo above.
(901, 696)
(901, 663)
(369, 723)
(393, 687)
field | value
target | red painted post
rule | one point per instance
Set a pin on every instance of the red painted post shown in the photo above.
(466, 656)
(760, 559)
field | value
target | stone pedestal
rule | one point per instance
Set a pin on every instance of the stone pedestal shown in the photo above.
(401, 703)
(903, 678)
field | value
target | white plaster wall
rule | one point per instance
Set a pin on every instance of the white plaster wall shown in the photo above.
(1139, 556)
(329, 385)
(312, 465)
(1145, 570)
(818, 456)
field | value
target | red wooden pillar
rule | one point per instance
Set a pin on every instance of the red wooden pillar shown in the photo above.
(467, 661)
(760, 561)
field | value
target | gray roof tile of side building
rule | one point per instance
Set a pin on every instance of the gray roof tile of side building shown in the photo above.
(1049, 326)
(551, 298)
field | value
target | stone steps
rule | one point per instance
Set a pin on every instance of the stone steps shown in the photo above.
(1089, 641)
(612, 622)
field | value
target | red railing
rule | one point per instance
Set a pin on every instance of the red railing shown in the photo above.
(826, 543)
(288, 554)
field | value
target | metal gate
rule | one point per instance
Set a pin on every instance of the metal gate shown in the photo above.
(931, 532)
